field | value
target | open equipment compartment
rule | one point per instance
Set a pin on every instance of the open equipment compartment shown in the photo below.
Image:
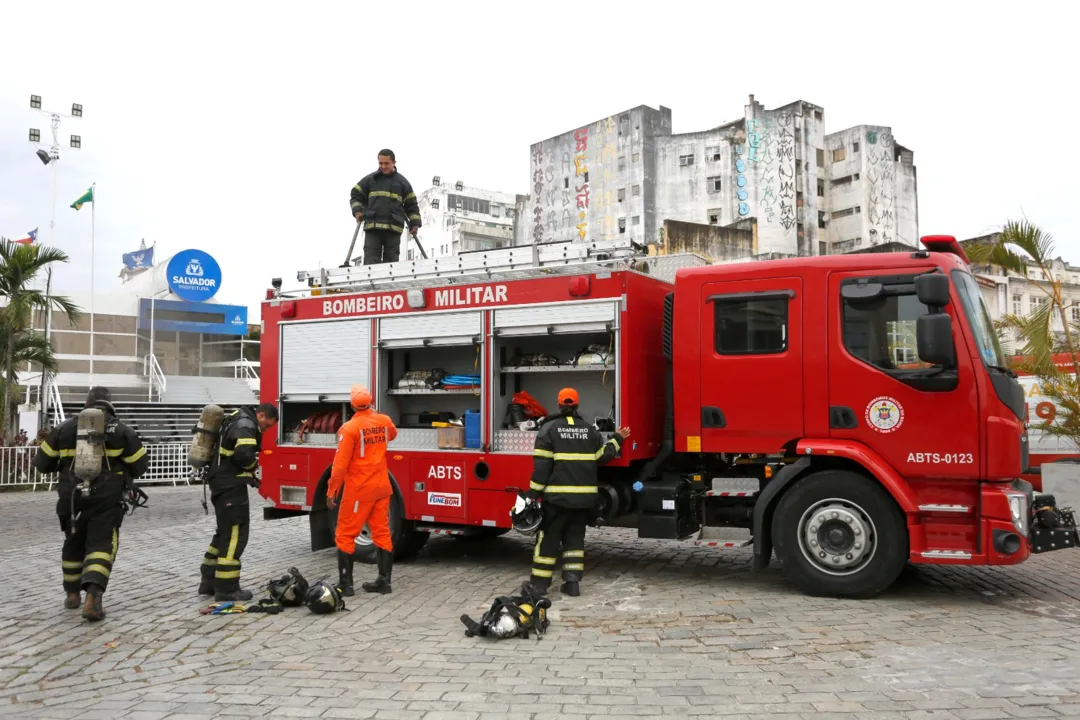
(320, 361)
(542, 349)
(431, 369)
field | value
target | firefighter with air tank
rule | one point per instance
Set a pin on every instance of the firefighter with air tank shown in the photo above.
(97, 458)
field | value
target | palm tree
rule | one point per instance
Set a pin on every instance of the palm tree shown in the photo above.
(31, 348)
(1019, 246)
(19, 266)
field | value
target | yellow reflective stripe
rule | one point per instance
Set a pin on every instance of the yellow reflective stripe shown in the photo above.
(227, 574)
(67, 453)
(414, 217)
(573, 566)
(135, 455)
(576, 456)
(544, 560)
(246, 441)
(228, 561)
(47, 449)
(212, 551)
(384, 193)
(574, 554)
(225, 452)
(571, 489)
(234, 540)
(113, 452)
(211, 562)
(410, 196)
(541, 573)
(537, 486)
(383, 226)
(96, 568)
(245, 474)
(100, 556)
(543, 453)
(73, 577)
(536, 548)
(357, 188)
(569, 420)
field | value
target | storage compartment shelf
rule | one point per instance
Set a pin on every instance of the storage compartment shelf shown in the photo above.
(320, 439)
(556, 368)
(434, 391)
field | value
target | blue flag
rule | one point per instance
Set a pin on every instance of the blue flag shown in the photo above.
(143, 258)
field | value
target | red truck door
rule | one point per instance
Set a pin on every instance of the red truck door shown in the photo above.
(751, 365)
(923, 422)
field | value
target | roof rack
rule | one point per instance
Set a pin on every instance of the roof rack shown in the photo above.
(507, 263)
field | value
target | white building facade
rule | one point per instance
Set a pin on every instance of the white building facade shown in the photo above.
(462, 218)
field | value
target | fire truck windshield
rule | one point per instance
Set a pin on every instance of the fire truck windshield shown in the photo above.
(979, 319)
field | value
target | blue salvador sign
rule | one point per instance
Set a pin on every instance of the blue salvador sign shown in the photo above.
(202, 318)
(193, 275)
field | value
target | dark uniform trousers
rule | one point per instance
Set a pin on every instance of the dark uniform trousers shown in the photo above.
(381, 246)
(237, 461)
(90, 545)
(561, 527)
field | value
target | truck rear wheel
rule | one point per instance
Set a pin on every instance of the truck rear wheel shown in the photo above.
(840, 534)
(403, 534)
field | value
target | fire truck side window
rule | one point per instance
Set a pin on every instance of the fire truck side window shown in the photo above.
(751, 326)
(881, 330)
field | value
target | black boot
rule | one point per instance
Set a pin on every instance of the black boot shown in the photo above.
(206, 585)
(538, 585)
(73, 600)
(238, 595)
(571, 588)
(92, 609)
(384, 560)
(345, 568)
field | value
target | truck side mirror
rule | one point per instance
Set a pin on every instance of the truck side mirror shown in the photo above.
(932, 290)
(934, 340)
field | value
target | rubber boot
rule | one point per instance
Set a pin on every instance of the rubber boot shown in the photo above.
(238, 595)
(345, 573)
(571, 588)
(539, 585)
(92, 609)
(384, 560)
(206, 587)
(73, 601)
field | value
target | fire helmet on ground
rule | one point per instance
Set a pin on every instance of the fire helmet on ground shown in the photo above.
(323, 598)
(526, 516)
(290, 589)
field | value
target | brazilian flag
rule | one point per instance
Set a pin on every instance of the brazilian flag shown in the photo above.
(86, 197)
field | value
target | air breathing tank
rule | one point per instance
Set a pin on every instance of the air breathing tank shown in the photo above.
(206, 434)
(89, 444)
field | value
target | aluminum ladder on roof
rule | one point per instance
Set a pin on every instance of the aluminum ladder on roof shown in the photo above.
(482, 265)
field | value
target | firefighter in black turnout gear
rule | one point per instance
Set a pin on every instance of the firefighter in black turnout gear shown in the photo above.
(91, 514)
(385, 202)
(233, 470)
(565, 456)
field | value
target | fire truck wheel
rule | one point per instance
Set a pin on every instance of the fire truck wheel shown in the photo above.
(840, 534)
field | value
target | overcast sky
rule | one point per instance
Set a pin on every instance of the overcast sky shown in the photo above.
(238, 129)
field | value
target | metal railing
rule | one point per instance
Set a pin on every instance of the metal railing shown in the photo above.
(244, 369)
(152, 371)
(168, 464)
(56, 402)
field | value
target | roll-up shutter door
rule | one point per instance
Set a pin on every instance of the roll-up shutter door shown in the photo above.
(564, 318)
(324, 358)
(441, 328)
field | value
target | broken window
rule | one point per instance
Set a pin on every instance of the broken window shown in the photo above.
(712, 154)
(622, 194)
(821, 220)
(839, 154)
(686, 160)
(817, 115)
(855, 148)
(716, 216)
(713, 184)
(820, 188)
(821, 158)
(622, 225)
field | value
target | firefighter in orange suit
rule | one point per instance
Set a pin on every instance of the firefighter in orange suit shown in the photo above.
(360, 466)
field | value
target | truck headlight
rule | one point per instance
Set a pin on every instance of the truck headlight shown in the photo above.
(1018, 507)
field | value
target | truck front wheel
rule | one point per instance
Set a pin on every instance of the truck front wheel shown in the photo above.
(840, 534)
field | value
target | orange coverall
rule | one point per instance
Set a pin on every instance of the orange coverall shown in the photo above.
(360, 464)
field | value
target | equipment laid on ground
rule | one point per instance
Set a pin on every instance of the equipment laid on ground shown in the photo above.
(516, 616)
(323, 598)
(800, 399)
(290, 589)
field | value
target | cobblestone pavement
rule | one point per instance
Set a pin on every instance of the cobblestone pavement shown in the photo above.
(662, 629)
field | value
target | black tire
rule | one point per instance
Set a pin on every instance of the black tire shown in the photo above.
(854, 506)
(406, 539)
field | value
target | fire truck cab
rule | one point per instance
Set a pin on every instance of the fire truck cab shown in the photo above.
(853, 412)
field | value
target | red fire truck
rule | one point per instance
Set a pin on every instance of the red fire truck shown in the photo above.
(853, 412)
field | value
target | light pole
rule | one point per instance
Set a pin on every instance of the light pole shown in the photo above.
(51, 157)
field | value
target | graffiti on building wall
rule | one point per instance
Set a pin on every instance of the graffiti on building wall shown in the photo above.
(538, 190)
(581, 179)
(785, 168)
(880, 175)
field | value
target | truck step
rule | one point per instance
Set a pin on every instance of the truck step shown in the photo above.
(734, 487)
(441, 530)
(722, 545)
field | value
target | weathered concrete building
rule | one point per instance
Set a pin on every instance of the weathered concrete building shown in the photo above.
(810, 193)
(460, 218)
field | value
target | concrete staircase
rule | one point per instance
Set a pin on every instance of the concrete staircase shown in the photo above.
(190, 390)
(154, 422)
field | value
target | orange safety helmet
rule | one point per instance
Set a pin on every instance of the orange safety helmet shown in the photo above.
(360, 397)
(568, 396)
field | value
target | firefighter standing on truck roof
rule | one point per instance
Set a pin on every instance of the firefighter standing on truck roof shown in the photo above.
(233, 469)
(360, 466)
(91, 520)
(385, 202)
(565, 456)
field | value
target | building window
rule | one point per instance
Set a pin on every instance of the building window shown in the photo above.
(751, 327)
(1075, 313)
(636, 190)
(855, 147)
(881, 331)
(846, 212)
(622, 225)
(839, 154)
(713, 184)
(716, 215)
(820, 188)
(435, 203)
(821, 220)
(636, 220)
(856, 176)
(1018, 305)
(712, 154)
(510, 212)
(817, 115)
(822, 249)
(846, 180)
(468, 204)
(409, 255)
(622, 162)
(566, 183)
(686, 160)
(622, 194)
(637, 158)
(820, 158)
